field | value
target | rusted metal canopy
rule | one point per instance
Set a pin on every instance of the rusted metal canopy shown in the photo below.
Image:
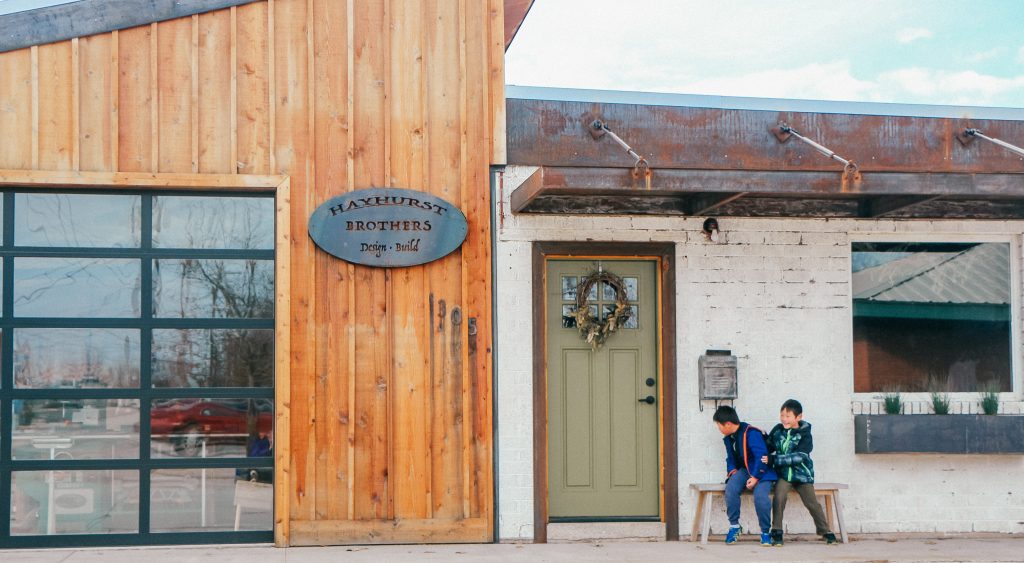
(728, 162)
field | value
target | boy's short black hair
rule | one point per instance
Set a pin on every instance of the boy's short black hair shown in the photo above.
(793, 406)
(725, 414)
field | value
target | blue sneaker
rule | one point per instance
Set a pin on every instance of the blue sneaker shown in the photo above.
(734, 535)
(766, 539)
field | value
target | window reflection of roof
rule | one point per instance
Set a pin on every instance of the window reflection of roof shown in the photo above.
(980, 274)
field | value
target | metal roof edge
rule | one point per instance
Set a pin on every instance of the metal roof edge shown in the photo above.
(761, 104)
(90, 17)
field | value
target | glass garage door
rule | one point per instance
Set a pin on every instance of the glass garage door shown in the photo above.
(136, 368)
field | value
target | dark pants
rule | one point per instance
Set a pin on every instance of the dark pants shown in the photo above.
(762, 504)
(806, 492)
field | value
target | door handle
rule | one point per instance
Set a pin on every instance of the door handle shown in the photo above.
(648, 399)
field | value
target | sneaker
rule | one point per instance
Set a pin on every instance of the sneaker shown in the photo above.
(734, 535)
(776, 538)
(830, 539)
(766, 539)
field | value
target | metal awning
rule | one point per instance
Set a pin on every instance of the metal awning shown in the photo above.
(733, 162)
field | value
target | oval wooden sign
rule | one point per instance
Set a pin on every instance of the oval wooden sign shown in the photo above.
(388, 227)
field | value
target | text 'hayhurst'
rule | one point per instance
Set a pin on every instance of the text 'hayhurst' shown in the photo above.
(388, 227)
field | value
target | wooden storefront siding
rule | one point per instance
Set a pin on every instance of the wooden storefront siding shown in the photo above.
(383, 376)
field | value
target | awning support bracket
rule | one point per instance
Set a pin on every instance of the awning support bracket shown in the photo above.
(970, 134)
(641, 168)
(850, 170)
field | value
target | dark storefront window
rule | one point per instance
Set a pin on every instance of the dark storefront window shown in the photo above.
(136, 368)
(931, 317)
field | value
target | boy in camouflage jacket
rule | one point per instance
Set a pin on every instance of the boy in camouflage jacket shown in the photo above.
(789, 452)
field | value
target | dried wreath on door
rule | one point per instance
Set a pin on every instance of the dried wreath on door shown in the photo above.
(594, 329)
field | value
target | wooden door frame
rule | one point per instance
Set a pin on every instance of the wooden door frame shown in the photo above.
(669, 470)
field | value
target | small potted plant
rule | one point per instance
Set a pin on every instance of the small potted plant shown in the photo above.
(940, 402)
(937, 389)
(892, 402)
(990, 401)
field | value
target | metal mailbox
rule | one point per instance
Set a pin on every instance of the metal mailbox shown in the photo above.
(717, 369)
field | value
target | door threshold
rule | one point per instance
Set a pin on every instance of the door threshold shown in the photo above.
(605, 531)
(586, 519)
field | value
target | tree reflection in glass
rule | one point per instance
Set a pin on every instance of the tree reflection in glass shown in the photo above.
(213, 357)
(77, 220)
(213, 222)
(77, 287)
(213, 288)
(78, 358)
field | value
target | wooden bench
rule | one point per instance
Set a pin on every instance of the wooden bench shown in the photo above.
(707, 491)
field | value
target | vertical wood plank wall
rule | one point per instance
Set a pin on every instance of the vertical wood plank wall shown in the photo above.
(390, 380)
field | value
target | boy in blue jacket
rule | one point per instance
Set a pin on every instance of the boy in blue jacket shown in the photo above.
(745, 450)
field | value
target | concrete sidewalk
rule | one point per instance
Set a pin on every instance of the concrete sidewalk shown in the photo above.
(873, 550)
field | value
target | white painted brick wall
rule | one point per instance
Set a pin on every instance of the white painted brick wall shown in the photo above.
(776, 292)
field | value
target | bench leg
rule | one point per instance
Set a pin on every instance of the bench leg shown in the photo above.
(828, 511)
(706, 519)
(697, 517)
(839, 518)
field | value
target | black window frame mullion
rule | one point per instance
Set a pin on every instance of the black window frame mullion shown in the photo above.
(138, 253)
(132, 539)
(122, 464)
(129, 322)
(211, 393)
(157, 393)
(6, 364)
(145, 367)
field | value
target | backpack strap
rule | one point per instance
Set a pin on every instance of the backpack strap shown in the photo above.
(745, 461)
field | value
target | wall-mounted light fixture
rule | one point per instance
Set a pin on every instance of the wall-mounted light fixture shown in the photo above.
(710, 229)
(970, 134)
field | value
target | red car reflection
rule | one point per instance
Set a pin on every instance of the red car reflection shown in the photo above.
(189, 423)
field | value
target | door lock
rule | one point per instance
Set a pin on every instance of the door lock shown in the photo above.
(651, 382)
(648, 399)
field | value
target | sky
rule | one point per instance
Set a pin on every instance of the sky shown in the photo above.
(11, 6)
(965, 52)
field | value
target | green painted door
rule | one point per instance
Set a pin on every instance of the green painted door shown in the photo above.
(602, 439)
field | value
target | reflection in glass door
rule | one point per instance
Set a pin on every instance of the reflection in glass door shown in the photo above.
(136, 368)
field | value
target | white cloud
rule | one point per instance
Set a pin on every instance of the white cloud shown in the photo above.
(911, 34)
(687, 49)
(931, 86)
(836, 81)
(918, 82)
(830, 81)
(984, 55)
(659, 44)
